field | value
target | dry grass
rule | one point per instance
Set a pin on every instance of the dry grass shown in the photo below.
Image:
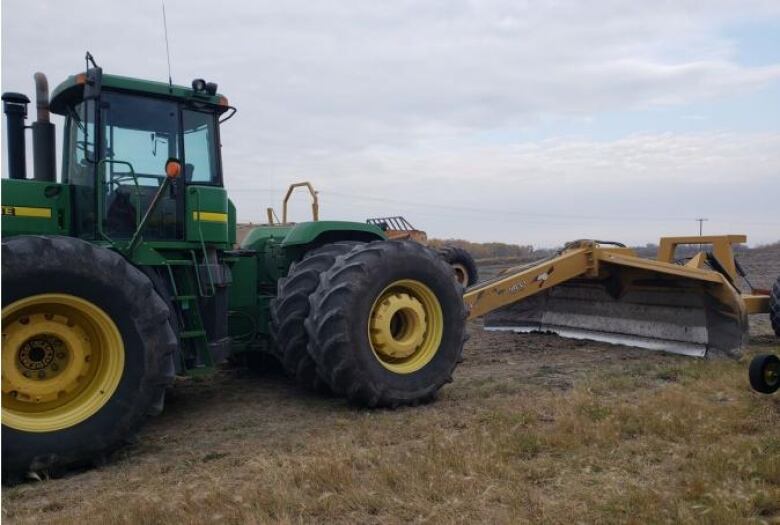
(642, 439)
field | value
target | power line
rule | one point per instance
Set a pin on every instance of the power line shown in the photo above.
(491, 213)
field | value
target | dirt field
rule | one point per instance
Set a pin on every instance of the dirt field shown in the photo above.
(534, 428)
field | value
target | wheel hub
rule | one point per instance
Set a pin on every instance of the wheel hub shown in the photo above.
(405, 326)
(398, 325)
(772, 375)
(37, 353)
(51, 356)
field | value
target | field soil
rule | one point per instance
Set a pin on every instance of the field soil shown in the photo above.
(535, 428)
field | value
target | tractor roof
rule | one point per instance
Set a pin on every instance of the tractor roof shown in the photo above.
(72, 88)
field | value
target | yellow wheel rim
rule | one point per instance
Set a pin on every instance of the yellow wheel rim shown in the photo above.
(62, 361)
(405, 326)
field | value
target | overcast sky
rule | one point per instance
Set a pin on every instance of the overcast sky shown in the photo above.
(506, 120)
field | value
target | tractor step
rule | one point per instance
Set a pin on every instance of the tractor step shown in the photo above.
(179, 262)
(188, 334)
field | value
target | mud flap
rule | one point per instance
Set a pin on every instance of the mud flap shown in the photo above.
(677, 316)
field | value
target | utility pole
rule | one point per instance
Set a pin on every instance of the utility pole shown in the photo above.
(701, 224)
(701, 220)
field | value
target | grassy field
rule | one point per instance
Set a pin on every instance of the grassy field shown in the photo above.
(534, 429)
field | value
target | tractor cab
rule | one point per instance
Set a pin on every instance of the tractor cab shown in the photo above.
(119, 135)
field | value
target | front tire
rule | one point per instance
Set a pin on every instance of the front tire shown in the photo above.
(386, 326)
(86, 348)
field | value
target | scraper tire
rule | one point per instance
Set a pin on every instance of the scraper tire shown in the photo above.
(764, 373)
(774, 307)
(462, 264)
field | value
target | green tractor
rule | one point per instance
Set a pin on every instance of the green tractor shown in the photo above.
(125, 273)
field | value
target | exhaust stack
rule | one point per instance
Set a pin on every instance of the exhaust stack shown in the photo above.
(15, 109)
(44, 166)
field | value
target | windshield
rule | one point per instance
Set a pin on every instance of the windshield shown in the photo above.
(142, 132)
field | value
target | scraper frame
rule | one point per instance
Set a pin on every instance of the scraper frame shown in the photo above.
(618, 269)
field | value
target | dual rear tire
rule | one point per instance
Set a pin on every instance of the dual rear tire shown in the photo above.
(383, 327)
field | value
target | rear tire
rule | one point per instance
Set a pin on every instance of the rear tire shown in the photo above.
(290, 309)
(102, 308)
(764, 373)
(386, 326)
(774, 307)
(462, 264)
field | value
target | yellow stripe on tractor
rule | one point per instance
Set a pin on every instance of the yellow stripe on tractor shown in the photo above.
(210, 216)
(26, 211)
(605, 292)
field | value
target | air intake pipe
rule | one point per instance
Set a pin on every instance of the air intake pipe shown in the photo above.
(44, 165)
(15, 109)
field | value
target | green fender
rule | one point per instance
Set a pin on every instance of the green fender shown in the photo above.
(323, 232)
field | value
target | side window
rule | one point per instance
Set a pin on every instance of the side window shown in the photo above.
(81, 143)
(80, 159)
(200, 163)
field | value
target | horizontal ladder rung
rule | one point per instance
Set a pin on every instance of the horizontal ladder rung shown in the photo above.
(178, 262)
(186, 334)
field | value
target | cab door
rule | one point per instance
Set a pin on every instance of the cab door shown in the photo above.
(139, 134)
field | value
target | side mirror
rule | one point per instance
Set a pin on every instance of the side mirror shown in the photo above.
(93, 83)
(173, 168)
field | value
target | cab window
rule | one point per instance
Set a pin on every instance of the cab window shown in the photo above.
(200, 163)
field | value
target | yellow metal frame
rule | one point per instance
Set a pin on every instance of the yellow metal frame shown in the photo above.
(315, 203)
(721, 249)
(591, 260)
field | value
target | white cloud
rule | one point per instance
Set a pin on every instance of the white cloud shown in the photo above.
(378, 98)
